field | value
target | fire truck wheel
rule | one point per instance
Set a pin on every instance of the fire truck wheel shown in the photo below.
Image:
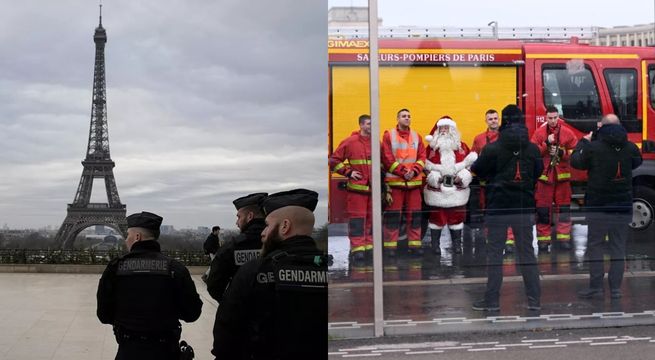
(642, 208)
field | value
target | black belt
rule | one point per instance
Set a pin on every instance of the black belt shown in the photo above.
(144, 337)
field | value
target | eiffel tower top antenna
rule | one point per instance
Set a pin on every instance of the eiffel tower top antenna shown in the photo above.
(100, 13)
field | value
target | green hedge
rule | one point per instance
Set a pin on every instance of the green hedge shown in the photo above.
(88, 257)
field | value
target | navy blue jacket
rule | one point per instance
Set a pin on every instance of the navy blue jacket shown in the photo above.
(609, 160)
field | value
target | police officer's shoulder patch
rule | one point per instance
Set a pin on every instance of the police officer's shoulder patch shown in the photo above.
(243, 256)
(149, 266)
(300, 272)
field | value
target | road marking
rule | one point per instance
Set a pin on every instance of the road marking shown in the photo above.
(362, 355)
(363, 348)
(599, 338)
(390, 350)
(540, 340)
(481, 343)
(453, 348)
(488, 349)
(630, 338)
(573, 342)
(546, 346)
(337, 353)
(513, 345)
(424, 352)
(609, 343)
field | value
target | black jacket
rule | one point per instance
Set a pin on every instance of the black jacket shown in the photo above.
(276, 306)
(609, 161)
(232, 255)
(511, 167)
(146, 292)
(211, 244)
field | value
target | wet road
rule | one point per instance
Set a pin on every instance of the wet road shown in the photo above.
(440, 290)
(614, 343)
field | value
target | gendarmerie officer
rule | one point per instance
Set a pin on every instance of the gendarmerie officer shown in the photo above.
(276, 306)
(144, 294)
(246, 246)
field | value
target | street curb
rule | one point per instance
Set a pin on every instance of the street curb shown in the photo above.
(342, 331)
(477, 280)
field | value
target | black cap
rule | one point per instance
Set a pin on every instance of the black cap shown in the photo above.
(146, 220)
(512, 115)
(298, 197)
(248, 200)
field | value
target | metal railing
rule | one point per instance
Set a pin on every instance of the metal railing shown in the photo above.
(504, 33)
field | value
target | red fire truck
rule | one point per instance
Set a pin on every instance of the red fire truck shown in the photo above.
(464, 78)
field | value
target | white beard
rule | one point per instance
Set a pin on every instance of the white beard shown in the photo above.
(450, 141)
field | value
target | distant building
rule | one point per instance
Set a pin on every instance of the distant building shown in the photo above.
(167, 229)
(349, 16)
(352, 21)
(635, 35)
(203, 230)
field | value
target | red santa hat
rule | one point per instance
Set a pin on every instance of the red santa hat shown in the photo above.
(443, 121)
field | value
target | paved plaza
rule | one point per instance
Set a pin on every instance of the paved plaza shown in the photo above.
(53, 316)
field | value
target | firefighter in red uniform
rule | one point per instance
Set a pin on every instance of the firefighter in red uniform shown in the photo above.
(555, 141)
(352, 159)
(479, 142)
(447, 184)
(403, 159)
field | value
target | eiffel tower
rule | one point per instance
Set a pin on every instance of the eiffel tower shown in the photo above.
(82, 213)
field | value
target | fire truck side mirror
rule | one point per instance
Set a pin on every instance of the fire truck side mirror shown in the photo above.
(648, 146)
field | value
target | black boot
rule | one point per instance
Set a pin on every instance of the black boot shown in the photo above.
(456, 236)
(435, 236)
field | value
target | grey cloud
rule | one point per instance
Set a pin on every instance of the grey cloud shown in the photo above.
(207, 100)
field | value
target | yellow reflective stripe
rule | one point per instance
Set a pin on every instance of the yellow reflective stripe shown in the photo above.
(390, 244)
(563, 176)
(357, 187)
(420, 162)
(509, 242)
(483, 182)
(563, 236)
(393, 166)
(414, 243)
(543, 238)
(358, 248)
(369, 247)
(394, 183)
(405, 183)
(338, 166)
(543, 177)
(644, 101)
(582, 56)
(360, 162)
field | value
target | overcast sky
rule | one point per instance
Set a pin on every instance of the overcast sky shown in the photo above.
(509, 13)
(207, 101)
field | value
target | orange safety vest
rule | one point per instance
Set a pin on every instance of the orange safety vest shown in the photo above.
(405, 153)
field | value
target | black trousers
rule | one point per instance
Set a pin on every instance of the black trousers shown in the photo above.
(136, 350)
(615, 226)
(496, 235)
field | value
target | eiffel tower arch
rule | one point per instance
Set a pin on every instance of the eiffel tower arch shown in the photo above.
(98, 164)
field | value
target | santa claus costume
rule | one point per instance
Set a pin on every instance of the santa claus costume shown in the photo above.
(447, 184)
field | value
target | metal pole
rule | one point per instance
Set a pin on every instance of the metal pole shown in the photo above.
(376, 195)
(494, 29)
